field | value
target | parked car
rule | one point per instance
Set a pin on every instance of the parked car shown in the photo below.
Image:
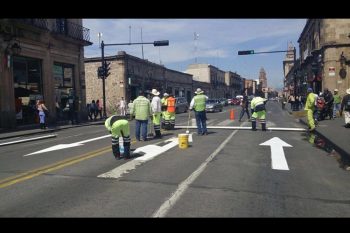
(223, 101)
(213, 105)
(181, 104)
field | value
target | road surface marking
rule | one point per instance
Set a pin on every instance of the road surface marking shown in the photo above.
(51, 167)
(278, 160)
(242, 127)
(64, 146)
(183, 186)
(151, 151)
(28, 139)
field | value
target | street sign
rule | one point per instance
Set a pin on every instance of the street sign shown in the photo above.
(331, 71)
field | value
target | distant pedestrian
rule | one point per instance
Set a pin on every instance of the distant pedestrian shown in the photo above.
(99, 108)
(310, 108)
(142, 111)
(244, 107)
(43, 112)
(198, 103)
(122, 107)
(337, 103)
(345, 107)
(93, 109)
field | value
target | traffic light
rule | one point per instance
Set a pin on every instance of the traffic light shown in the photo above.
(161, 43)
(100, 72)
(106, 69)
(246, 52)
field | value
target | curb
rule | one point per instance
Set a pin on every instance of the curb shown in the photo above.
(49, 130)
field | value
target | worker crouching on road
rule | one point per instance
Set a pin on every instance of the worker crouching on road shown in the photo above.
(118, 126)
(258, 111)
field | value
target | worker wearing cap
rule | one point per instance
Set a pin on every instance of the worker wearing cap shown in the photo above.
(337, 103)
(310, 107)
(164, 108)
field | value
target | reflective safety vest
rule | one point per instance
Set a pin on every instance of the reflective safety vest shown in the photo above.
(199, 102)
(171, 104)
(258, 101)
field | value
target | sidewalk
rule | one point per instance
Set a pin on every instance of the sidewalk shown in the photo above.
(331, 130)
(34, 129)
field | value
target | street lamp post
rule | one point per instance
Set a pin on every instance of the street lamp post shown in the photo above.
(104, 65)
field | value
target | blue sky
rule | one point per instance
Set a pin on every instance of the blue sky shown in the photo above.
(218, 42)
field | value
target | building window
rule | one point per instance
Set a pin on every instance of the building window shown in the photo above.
(27, 78)
(63, 75)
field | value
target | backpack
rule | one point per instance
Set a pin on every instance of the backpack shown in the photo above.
(320, 102)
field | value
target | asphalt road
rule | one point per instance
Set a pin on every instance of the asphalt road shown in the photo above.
(224, 174)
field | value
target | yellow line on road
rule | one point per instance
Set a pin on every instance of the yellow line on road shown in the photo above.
(52, 167)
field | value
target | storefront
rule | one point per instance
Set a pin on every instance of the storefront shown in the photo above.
(28, 88)
(63, 75)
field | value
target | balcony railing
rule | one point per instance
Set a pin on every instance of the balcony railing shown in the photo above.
(40, 23)
(72, 30)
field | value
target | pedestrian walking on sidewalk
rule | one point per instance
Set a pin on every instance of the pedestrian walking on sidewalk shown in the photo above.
(43, 112)
(310, 108)
(122, 107)
(345, 107)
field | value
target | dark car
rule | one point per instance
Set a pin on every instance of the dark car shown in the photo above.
(181, 104)
(213, 105)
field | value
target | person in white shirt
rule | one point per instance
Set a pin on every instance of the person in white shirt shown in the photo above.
(122, 107)
(156, 109)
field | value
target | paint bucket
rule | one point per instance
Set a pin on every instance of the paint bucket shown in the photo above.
(183, 141)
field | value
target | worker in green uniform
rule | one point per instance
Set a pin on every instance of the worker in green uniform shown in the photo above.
(164, 109)
(118, 126)
(310, 108)
(258, 109)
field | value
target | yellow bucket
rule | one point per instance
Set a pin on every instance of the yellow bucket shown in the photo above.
(183, 141)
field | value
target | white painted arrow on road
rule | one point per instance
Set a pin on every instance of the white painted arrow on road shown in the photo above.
(150, 152)
(64, 146)
(278, 160)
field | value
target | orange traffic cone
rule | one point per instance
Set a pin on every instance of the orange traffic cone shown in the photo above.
(232, 114)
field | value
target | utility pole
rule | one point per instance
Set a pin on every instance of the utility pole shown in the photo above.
(103, 79)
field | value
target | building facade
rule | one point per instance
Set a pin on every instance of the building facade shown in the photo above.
(129, 75)
(40, 59)
(207, 73)
(324, 46)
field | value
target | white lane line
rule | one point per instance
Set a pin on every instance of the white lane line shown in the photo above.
(151, 151)
(243, 127)
(28, 140)
(171, 201)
